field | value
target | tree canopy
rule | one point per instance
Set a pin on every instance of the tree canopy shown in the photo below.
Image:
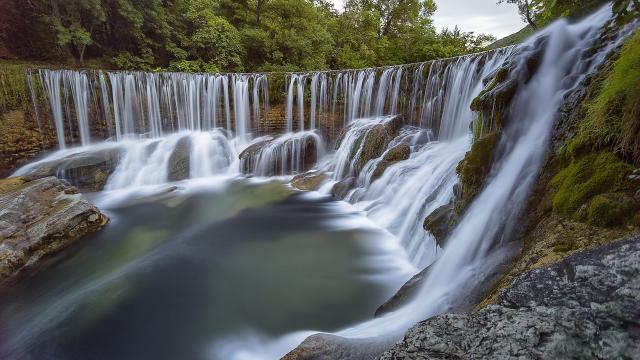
(228, 35)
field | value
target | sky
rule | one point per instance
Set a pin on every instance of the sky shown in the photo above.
(479, 16)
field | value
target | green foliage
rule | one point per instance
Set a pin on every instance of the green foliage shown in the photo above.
(612, 119)
(14, 93)
(230, 35)
(193, 66)
(587, 177)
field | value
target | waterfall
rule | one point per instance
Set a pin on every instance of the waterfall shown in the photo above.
(480, 240)
(477, 243)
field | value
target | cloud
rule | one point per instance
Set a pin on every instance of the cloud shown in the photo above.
(479, 16)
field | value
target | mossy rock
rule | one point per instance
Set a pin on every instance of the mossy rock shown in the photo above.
(608, 210)
(373, 145)
(587, 177)
(475, 167)
(394, 155)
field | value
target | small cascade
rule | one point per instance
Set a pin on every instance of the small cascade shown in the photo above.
(408, 191)
(292, 153)
(178, 156)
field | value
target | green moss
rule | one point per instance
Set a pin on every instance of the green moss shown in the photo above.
(475, 167)
(14, 93)
(587, 177)
(613, 117)
(607, 210)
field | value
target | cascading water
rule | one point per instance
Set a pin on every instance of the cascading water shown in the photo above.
(479, 243)
(170, 126)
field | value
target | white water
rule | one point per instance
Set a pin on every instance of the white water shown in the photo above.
(219, 114)
(474, 248)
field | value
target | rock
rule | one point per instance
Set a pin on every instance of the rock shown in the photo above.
(332, 347)
(179, 162)
(342, 188)
(39, 218)
(475, 168)
(404, 294)
(440, 222)
(585, 307)
(309, 181)
(88, 171)
(248, 155)
(371, 147)
(281, 156)
(394, 155)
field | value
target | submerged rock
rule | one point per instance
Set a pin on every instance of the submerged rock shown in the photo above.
(342, 188)
(88, 171)
(179, 162)
(587, 306)
(39, 218)
(309, 181)
(404, 295)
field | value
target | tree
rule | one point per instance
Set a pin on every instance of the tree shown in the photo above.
(527, 9)
(74, 22)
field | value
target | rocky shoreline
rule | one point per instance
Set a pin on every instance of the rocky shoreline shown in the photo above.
(38, 218)
(586, 306)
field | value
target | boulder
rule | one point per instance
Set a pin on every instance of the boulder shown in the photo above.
(281, 156)
(88, 171)
(584, 307)
(39, 218)
(394, 155)
(309, 181)
(440, 222)
(179, 161)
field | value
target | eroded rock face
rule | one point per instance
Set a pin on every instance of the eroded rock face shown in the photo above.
(87, 171)
(585, 307)
(37, 219)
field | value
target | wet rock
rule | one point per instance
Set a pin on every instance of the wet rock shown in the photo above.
(39, 218)
(404, 295)
(280, 156)
(88, 171)
(587, 306)
(342, 188)
(394, 155)
(440, 222)
(475, 168)
(309, 181)
(332, 347)
(247, 156)
(179, 162)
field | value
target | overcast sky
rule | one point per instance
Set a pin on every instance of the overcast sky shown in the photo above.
(479, 16)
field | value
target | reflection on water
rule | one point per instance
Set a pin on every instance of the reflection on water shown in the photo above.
(173, 273)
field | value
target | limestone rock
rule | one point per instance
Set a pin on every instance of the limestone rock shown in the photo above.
(88, 171)
(585, 307)
(37, 219)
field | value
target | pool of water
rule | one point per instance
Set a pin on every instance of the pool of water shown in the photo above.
(176, 272)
